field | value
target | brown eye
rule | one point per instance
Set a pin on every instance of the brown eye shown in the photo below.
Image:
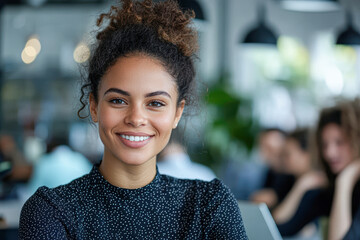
(156, 104)
(117, 101)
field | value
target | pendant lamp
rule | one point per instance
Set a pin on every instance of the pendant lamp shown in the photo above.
(349, 36)
(261, 34)
(192, 5)
(310, 5)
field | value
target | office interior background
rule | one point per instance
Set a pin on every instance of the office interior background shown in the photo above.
(262, 64)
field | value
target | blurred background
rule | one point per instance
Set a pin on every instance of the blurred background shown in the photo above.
(263, 64)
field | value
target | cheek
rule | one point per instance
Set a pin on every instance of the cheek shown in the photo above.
(164, 122)
(108, 118)
(347, 153)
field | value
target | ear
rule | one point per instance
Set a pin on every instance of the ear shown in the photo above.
(93, 108)
(179, 112)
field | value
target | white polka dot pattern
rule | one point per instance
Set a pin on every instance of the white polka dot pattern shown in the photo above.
(167, 208)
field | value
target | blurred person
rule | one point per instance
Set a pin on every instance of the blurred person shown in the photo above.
(174, 161)
(337, 141)
(21, 170)
(139, 80)
(271, 144)
(276, 183)
(14, 168)
(297, 161)
(58, 166)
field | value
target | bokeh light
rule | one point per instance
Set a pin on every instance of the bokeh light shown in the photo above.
(81, 53)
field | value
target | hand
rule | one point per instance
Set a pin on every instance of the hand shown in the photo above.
(350, 175)
(312, 180)
(267, 196)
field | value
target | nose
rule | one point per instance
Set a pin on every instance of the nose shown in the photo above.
(136, 116)
(330, 151)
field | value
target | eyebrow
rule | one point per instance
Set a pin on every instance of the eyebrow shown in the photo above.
(117, 90)
(152, 94)
(157, 93)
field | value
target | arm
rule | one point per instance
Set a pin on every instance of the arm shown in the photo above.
(40, 220)
(340, 216)
(267, 196)
(314, 203)
(222, 216)
(288, 207)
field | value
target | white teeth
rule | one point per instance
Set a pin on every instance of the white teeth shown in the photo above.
(135, 138)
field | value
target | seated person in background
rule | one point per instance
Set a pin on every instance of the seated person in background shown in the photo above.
(58, 166)
(277, 184)
(175, 162)
(337, 149)
(297, 161)
(21, 170)
(14, 168)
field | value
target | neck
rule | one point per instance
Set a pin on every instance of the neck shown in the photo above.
(127, 176)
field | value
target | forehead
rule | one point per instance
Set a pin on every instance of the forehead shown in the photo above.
(138, 73)
(332, 130)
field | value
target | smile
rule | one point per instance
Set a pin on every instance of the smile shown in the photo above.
(135, 138)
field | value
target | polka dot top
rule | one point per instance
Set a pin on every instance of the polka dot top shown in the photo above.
(167, 208)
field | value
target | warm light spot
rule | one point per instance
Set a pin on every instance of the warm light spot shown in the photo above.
(30, 51)
(26, 58)
(81, 53)
(35, 43)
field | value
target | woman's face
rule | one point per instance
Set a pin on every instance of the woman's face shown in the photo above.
(136, 109)
(296, 161)
(336, 148)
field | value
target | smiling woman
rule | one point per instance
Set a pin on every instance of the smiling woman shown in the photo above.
(140, 80)
(137, 99)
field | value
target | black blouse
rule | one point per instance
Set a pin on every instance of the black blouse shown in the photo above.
(167, 208)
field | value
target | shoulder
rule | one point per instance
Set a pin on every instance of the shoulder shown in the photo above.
(52, 208)
(201, 187)
(60, 197)
(210, 195)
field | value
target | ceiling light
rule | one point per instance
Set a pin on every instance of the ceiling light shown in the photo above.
(261, 33)
(310, 5)
(349, 36)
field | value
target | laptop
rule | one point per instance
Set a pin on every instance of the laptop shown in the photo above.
(258, 222)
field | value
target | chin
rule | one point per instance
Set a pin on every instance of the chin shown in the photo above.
(337, 170)
(135, 160)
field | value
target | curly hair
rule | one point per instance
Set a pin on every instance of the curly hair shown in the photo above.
(345, 114)
(159, 30)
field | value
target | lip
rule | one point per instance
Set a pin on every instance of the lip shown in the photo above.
(133, 144)
(335, 165)
(134, 134)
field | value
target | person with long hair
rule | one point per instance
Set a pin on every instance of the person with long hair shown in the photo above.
(140, 79)
(337, 141)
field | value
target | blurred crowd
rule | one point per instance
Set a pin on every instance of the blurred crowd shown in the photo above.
(309, 178)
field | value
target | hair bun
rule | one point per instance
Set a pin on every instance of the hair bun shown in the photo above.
(171, 24)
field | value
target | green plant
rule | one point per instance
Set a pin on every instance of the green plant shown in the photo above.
(230, 127)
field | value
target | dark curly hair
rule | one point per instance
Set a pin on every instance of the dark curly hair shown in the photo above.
(345, 114)
(159, 30)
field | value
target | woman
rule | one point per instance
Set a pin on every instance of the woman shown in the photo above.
(337, 144)
(139, 81)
